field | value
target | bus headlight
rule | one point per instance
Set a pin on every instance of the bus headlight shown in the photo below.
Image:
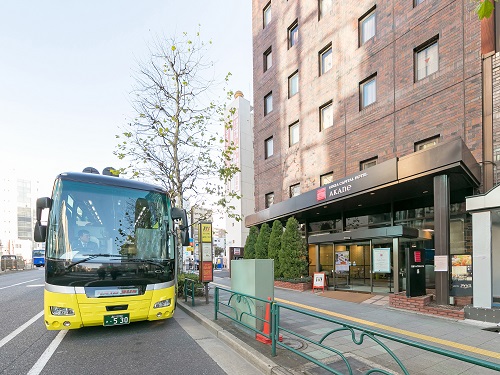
(59, 311)
(164, 303)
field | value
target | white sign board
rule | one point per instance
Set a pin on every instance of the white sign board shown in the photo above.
(441, 263)
(206, 252)
(381, 260)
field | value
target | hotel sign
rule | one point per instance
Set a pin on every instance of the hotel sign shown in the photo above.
(368, 178)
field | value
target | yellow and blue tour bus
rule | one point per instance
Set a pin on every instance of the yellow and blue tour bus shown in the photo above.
(110, 250)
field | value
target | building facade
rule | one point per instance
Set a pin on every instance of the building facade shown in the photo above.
(240, 136)
(369, 130)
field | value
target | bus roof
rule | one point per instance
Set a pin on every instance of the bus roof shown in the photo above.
(99, 179)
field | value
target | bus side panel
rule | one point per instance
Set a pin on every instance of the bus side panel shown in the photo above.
(53, 322)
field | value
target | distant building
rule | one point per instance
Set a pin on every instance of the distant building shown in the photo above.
(17, 213)
(241, 135)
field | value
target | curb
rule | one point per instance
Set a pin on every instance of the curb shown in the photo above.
(259, 360)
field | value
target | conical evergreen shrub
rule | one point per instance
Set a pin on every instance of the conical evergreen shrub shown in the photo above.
(250, 243)
(274, 247)
(262, 242)
(293, 263)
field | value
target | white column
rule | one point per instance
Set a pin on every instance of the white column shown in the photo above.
(481, 259)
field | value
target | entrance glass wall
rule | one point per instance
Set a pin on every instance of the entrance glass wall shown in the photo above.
(364, 266)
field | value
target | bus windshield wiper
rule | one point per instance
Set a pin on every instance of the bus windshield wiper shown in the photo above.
(93, 256)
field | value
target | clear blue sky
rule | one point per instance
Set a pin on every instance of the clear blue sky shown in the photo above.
(66, 68)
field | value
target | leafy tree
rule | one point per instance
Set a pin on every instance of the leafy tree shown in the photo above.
(262, 243)
(218, 251)
(173, 139)
(250, 243)
(484, 8)
(274, 247)
(292, 258)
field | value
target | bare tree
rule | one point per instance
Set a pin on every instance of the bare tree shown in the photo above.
(174, 140)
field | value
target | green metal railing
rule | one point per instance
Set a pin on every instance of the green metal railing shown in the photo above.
(241, 308)
(189, 287)
(358, 334)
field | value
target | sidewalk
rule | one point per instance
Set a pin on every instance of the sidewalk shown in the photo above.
(466, 337)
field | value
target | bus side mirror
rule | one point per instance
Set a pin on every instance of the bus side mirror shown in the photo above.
(40, 232)
(41, 204)
(180, 214)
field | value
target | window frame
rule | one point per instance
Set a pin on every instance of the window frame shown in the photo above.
(321, 56)
(426, 143)
(264, 18)
(266, 106)
(290, 78)
(322, 126)
(268, 142)
(293, 28)
(269, 202)
(417, 3)
(291, 128)
(362, 85)
(292, 188)
(321, 13)
(368, 163)
(421, 48)
(371, 13)
(268, 53)
(323, 177)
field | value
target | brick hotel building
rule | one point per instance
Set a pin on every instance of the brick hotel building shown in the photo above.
(370, 129)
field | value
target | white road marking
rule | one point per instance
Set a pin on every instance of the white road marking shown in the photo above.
(44, 358)
(33, 285)
(9, 337)
(24, 282)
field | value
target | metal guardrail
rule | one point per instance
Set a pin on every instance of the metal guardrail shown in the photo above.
(241, 308)
(358, 334)
(189, 289)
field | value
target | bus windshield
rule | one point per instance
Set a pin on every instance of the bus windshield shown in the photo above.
(38, 253)
(90, 220)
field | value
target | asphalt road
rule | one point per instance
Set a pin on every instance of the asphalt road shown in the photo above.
(175, 346)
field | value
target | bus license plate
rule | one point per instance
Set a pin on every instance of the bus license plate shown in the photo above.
(116, 320)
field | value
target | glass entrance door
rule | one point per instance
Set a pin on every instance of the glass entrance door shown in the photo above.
(356, 269)
(382, 269)
(352, 266)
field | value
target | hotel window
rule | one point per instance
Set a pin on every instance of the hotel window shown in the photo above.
(268, 103)
(417, 2)
(294, 190)
(368, 163)
(326, 179)
(267, 14)
(426, 59)
(293, 84)
(368, 91)
(293, 34)
(269, 148)
(326, 116)
(325, 60)
(367, 25)
(269, 199)
(325, 7)
(293, 131)
(268, 59)
(426, 143)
